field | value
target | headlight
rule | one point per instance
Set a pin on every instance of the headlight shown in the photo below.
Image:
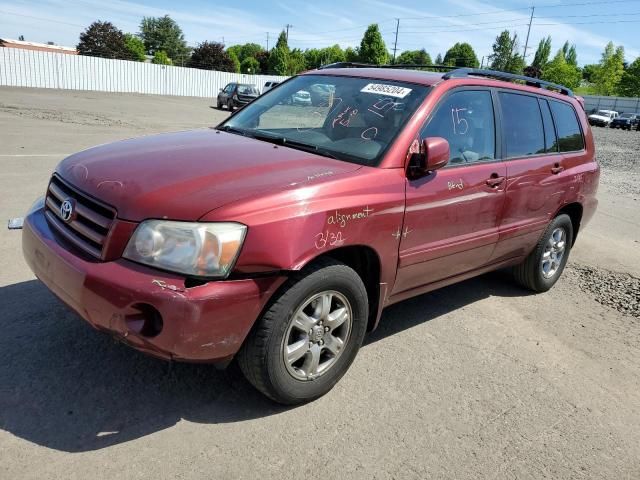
(199, 249)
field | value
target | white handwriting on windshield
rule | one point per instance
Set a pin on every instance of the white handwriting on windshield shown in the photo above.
(344, 117)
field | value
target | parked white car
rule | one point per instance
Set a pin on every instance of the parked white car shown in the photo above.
(602, 118)
(269, 85)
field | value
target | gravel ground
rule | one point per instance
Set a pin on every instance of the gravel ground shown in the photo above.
(618, 152)
(477, 380)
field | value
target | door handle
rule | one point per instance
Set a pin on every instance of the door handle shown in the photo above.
(495, 180)
(556, 169)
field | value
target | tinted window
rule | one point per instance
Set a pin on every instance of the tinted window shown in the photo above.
(465, 119)
(550, 141)
(569, 133)
(523, 131)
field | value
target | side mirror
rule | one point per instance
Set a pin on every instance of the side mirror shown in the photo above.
(221, 89)
(434, 154)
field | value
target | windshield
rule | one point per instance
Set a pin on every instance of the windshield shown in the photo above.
(351, 119)
(247, 90)
(604, 113)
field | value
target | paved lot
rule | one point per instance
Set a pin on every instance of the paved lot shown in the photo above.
(477, 380)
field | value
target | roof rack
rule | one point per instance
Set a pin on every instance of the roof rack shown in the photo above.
(532, 82)
(395, 65)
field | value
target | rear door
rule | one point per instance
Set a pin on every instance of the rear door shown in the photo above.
(452, 215)
(535, 187)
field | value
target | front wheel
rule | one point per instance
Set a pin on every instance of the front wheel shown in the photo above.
(230, 105)
(307, 339)
(544, 265)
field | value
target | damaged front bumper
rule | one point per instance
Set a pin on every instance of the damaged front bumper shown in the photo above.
(150, 310)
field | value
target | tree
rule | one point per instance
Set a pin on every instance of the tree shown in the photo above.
(297, 62)
(161, 58)
(263, 60)
(103, 39)
(279, 56)
(461, 55)
(630, 81)
(415, 57)
(316, 57)
(589, 72)
(163, 33)
(532, 71)
(541, 58)
(211, 56)
(135, 47)
(561, 72)
(570, 54)
(250, 65)
(505, 56)
(611, 68)
(351, 54)
(21, 38)
(372, 48)
(235, 60)
(439, 59)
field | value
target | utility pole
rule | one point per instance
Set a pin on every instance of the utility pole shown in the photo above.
(267, 41)
(395, 43)
(526, 43)
(288, 26)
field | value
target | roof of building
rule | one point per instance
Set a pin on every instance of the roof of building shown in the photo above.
(8, 42)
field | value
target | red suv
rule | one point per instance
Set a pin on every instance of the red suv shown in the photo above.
(278, 237)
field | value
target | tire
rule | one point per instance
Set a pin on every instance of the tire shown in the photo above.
(219, 105)
(263, 357)
(230, 105)
(531, 273)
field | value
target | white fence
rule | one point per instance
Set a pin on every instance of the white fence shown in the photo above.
(28, 68)
(619, 104)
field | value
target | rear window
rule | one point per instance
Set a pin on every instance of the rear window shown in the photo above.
(569, 133)
(523, 130)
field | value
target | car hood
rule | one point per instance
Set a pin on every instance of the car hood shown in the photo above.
(184, 175)
(599, 117)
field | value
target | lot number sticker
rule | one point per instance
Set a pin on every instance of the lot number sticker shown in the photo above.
(390, 90)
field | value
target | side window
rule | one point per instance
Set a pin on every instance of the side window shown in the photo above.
(522, 125)
(465, 119)
(229, 88)
(569, 133)
(550, 140)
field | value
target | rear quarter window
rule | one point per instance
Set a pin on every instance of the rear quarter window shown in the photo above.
(569, 133)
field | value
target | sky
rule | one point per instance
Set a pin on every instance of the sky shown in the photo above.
(434, 25)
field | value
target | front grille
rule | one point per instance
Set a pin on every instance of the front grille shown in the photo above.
(89, 227)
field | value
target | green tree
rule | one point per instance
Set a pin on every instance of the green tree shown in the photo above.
(541, 57)
(505, 56)
(630, 81)
(279, 56)
(135, 47)
(211, 56)
(250, 65)
(372, 48)
(439, 59)
(235, 60)
(163, 33)
(611, 68)
(351, 55)
(297, 62)
(561, 72)
(589, 72)
(161, 58)
(103, 39)
(415, 57)
(570, 54)
(263, 60)
(461, 55)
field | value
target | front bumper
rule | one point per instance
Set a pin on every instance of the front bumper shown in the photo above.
(207, 323)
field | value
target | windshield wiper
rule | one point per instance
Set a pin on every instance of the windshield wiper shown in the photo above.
(285, 142)
(230, 129)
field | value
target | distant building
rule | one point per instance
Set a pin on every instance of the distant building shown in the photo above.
(40, 47)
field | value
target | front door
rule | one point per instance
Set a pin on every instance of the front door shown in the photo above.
(452, 215)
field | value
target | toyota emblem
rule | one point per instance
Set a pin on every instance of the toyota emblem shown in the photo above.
(67, 210)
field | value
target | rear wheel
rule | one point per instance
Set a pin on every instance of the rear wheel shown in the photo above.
(305, 342)
(544, 265)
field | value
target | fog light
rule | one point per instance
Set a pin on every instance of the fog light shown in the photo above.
(147, 322)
